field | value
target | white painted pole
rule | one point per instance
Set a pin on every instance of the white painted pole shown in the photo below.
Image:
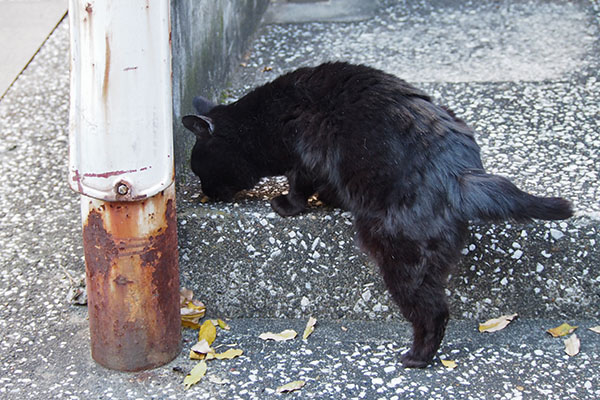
(121, 162)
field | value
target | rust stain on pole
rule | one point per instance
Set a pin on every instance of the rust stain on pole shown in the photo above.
(133, 281)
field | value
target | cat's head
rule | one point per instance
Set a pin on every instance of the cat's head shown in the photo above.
(217, 157)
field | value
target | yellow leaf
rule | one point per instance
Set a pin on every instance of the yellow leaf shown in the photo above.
(189, 324)
(196, 305)
(310, 328)
(497, 324)
(562, 330)
(595, 329)
(279, 337)
(220, 323)
(572, 345)
(223, 325)
(195, 374)
(290, 387)
(191, 312)
(229, 354)
(449, 364)
(196, 356)
(207, 332)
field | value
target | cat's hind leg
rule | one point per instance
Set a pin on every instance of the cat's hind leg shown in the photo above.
(415, 274)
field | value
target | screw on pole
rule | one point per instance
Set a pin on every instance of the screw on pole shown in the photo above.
(122, 188)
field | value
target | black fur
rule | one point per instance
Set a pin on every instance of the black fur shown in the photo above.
(408, 170)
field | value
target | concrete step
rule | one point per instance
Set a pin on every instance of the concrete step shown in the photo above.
(523, 76)
(248, 262)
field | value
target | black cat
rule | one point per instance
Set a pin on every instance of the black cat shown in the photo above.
(408, 170)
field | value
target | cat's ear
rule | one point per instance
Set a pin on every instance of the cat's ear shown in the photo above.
(202, 105)
(200, 125)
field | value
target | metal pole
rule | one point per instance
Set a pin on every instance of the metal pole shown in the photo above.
(121, 162)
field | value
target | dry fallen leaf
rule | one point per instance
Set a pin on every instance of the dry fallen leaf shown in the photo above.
(310, 328)
(185, 295)
(207, 332)
(595, 329)
(290, 387)
(190, 324)
(449, 364)
(226, 355)
(202, 347)
(279, 337)
(562, 330)
(191, 310)
(572, 345)
(197, 356)
(496, 324)
(195, 374)
(221, 324)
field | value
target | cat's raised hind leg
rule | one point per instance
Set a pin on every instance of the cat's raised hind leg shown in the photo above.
(415, 277)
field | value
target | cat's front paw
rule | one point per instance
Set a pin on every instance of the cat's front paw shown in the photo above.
(282, 206)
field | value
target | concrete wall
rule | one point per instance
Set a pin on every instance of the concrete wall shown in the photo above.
(208, 39)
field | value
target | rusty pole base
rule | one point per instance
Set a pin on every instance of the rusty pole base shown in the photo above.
(132, 281)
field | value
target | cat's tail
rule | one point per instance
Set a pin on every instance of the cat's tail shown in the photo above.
(493, 197)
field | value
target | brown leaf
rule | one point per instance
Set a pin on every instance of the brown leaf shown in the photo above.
(562, 330)
(595, 329)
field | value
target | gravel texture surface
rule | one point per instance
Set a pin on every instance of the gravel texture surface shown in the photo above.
(524, 74)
